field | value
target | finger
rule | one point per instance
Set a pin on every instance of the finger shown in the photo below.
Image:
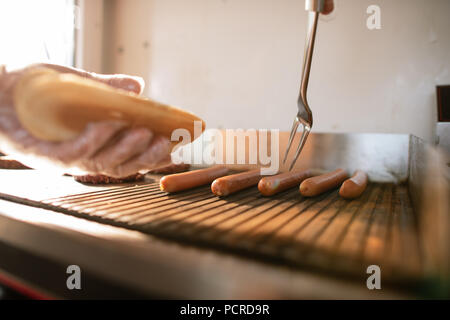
(120, 81)
(131, 143)
(7, 83)
(328, 7)
(89, 142)
(157, 153)
(128, 83)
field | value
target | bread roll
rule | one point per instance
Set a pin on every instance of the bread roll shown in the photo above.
(56, 106)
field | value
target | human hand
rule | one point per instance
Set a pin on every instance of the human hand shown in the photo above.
(107, 147)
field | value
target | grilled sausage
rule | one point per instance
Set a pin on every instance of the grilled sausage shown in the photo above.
(268, 186)
(191, 179)
(316, 185)
(9, 163)
(352, 188)
(102, 179)
(171, 168)
(230, 184)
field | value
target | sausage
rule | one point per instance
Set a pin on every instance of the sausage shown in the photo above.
(352, 188)
(102, 179)
(191, 179)
(268, 186)
(171, 168)
(9, 163)
(230, 184)
(316, 185)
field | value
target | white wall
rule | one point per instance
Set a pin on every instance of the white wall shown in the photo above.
(237, 63)
(89, 35)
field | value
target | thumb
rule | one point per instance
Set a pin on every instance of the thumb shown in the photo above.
(120, 81)
(128, 83)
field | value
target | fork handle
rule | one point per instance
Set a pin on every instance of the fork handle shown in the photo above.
(314, 5)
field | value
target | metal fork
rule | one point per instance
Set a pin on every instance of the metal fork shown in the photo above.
(304, 115)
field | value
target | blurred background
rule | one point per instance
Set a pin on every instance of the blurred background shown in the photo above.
(33, 31)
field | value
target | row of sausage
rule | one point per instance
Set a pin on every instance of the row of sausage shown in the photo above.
(311, 183)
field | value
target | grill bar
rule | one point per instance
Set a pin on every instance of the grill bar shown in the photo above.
(325, 233)
(99, 193)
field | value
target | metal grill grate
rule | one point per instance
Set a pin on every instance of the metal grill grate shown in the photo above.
(324, 233)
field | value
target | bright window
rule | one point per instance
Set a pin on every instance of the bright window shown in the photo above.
(36, 31)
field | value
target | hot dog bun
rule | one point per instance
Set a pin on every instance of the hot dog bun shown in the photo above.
(56, 106)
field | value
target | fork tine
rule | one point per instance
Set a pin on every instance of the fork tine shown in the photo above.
(305, 133)
(291, 137)
(304, 115)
